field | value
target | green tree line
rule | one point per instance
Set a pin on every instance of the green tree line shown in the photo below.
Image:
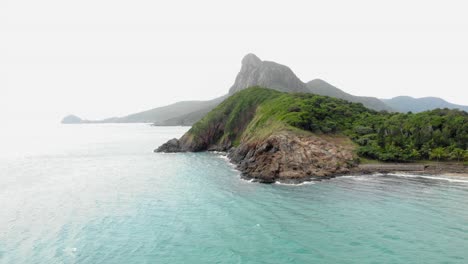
(440, 134)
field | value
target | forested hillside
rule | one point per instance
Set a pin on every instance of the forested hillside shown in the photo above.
(440, 134)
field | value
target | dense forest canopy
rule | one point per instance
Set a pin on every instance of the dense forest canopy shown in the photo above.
(438, 134)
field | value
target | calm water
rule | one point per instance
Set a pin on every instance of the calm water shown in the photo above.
(97, 194)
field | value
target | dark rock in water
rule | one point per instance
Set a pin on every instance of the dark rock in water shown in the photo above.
(171, 146)
(71, 119)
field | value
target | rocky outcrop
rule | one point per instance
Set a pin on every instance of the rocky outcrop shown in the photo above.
(284, 157)
(255, 72)
(290, 158)
(171, 146)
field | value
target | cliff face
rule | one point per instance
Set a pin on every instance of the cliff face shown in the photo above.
(283, 156)
(287, 157)
(255, 72)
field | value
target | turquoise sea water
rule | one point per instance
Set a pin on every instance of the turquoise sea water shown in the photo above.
(97, 194)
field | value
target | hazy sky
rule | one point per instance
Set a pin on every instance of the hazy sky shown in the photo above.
(101, 58)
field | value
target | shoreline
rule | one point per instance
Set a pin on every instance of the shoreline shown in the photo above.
(423, 169)
(434, 169)
(312, 180)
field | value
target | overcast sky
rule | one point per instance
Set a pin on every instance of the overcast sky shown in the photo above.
(101, 58)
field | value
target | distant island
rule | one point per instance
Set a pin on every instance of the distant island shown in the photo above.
(292, 137)
(255, 72)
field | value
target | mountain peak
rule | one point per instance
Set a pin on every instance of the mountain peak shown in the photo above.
(255, 72)
(251, 59)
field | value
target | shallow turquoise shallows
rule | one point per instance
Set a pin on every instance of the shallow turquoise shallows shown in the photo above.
(98, 194)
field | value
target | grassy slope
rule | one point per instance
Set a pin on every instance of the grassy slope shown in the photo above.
(255, 113)
(227, 122)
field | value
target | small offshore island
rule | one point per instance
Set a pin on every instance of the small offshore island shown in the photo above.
(294, 137)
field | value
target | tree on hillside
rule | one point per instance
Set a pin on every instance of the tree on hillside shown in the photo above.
(458, 154)
(438, 153)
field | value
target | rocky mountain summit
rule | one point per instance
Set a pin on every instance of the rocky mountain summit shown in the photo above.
(255, 72)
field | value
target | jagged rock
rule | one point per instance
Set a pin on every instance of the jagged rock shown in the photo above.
(287, 157)
(171, 146)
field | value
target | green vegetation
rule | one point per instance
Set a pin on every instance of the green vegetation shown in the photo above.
(439, 134)
(228, 120)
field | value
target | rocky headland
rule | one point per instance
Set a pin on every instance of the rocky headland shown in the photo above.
(274, 136)
(284, 156)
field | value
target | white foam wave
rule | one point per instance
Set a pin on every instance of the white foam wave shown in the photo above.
(220, 152)
(247, 180)
(223, 156)
(440, 178)
(295, 184)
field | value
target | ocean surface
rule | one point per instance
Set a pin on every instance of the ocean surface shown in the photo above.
(98, 194)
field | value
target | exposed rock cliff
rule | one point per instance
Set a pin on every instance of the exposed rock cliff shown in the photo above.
(255, 72)
(287, 157)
